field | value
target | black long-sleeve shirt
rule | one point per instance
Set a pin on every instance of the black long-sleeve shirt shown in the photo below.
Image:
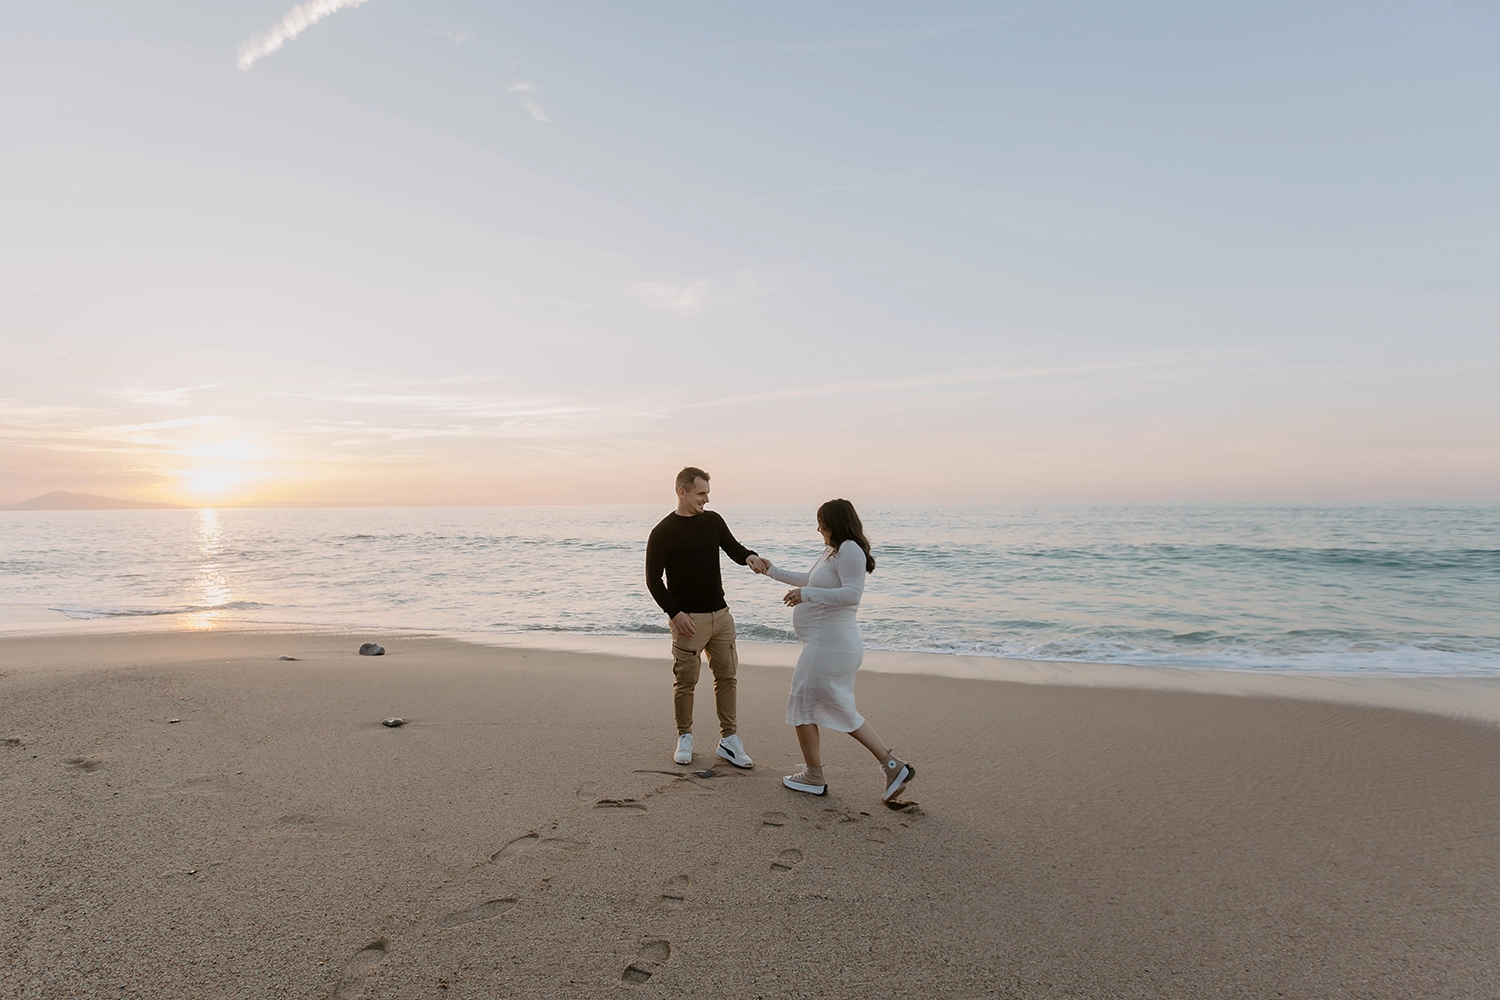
(687, 550)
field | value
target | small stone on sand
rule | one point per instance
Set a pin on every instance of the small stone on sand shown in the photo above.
(393, 723)
(372, 649)
(285, 657)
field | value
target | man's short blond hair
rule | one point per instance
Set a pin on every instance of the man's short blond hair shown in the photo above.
(690, 475)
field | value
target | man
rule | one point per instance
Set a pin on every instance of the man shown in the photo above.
(685, 546)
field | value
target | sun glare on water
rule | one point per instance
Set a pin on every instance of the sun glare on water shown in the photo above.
(211, 590)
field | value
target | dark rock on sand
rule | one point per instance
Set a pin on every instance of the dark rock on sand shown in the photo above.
(285, 657)
(393, 723)
(372, 649)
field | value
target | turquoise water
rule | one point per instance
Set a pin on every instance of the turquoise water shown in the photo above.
(1387, 588)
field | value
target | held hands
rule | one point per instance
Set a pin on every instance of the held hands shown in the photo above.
(682, 624)
(758, 564)
(793, 597)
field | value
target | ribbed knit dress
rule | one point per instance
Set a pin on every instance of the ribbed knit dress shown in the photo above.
(823, 683)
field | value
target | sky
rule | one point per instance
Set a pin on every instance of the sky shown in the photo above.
(386, 252)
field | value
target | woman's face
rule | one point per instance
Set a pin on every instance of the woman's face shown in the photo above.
(827, 535)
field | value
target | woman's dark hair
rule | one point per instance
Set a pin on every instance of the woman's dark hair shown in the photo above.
(839, 517)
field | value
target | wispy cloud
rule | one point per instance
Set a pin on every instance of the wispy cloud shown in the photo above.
(677, 298)
(293, 23)
(54, 432)
(14, 411)
(472, 407)
(452, 32)
(161, 397)
(526, 88)
(162, 425)
(489, 408)
(923, 381)
(687, 298)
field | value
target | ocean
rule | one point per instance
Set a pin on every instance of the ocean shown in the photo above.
(1382, 588)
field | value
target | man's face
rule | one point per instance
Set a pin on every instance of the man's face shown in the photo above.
(697, 497)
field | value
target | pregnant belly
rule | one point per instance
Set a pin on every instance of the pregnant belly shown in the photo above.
(820, 626)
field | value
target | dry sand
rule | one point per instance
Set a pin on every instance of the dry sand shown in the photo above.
(526, 834)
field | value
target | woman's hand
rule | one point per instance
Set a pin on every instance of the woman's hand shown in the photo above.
(793, 597)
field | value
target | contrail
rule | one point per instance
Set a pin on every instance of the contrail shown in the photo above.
(295, 22)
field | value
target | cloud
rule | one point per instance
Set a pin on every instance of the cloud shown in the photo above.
(452, 32)
(482, 407)
(679, 298)
(687, 299)
(525, 87)
(161, 397)
(923, 381)
(162, 425)
(293, 23)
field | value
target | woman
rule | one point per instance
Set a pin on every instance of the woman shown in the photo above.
(826, 599)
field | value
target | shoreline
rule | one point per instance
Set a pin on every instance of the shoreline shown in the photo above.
(1469, 698)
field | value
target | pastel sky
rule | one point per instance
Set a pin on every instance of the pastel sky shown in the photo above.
(449, 252)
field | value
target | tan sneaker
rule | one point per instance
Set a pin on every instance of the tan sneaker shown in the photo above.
(809, 780)
(896, 773)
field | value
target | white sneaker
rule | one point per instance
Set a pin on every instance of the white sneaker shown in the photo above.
(684, 752)
(732, 750)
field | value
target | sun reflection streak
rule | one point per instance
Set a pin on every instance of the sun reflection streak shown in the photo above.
(212, 589)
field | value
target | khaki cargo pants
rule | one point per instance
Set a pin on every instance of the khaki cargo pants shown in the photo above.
(713, 634)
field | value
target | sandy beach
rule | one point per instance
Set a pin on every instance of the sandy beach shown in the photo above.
(189, 816)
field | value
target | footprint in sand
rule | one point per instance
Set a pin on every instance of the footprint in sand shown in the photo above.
(787, 860)
(563, 846)
(774, 820)
(351, 984)
(653, 954)
(522, 843)
(84, 763)
(835, 817)
(527, 841)
(878, 834)
(629, 805)
(673, 893)
(588, 791)
(487, 910)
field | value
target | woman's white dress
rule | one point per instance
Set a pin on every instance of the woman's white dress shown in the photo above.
(823, 684)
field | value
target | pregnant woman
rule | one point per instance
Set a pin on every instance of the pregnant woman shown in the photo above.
(826, 599)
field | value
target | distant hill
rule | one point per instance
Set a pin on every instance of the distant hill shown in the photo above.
(63, 500)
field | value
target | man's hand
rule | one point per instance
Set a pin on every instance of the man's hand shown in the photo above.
(793, 597)
(758, 564)
(682, 624)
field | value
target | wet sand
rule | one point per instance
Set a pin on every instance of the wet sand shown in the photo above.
(526, 834)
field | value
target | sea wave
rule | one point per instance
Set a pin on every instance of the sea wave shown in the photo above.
(1374, 588)
(73, 611)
